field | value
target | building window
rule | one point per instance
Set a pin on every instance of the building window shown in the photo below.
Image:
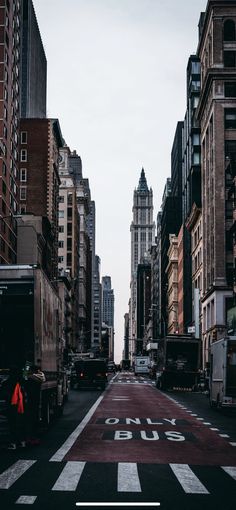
(230, 154)
(230, 89)
(230, 118)
(23, 175)
(23, 209)
(61, 244)
(23, 155)
(60, 259)
(22, 193)
(61, 214)
(61, 228)
(229, 58)
(229, 30)
(4, 188)
(23, 137)
(61, 199)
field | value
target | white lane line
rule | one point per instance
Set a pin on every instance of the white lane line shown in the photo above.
(189, 481)
(230, 470)
(69, 477)
(223, 435)
(128, 479)
(213, 428)
(233, 444)
(26, 500)
(206, 423)
(63, 450)
(11, 475)
(193, 414)
(200, 419)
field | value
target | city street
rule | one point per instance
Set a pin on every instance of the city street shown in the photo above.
(130, 444)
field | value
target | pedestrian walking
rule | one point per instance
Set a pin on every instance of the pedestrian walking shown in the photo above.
(15, 401)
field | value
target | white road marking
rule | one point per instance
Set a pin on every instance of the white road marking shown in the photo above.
(128, 479)
(200, 419)
(193, 414)
(26, 500)
(11, 475)
(189, 481)
(63, 450)
(213, 428)
(230, 470)
(223, 435)
(206, 423)
(233, 444)
(116, 504)
(69, 477)
(121, 399)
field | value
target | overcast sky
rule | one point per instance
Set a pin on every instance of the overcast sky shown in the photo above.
(117, 84)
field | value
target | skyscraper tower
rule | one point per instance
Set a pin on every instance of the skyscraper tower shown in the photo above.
(142, 237)
(107, 301)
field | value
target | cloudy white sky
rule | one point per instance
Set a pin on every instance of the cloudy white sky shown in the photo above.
(116, 82)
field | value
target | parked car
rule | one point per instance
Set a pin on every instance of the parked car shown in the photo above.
(89, 373)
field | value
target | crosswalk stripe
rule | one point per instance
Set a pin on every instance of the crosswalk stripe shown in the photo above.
(69, 477)
(189, 481)
(230, 470)
(11, 475)
(128, 479)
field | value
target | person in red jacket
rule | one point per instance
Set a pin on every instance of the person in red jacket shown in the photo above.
(15, 400)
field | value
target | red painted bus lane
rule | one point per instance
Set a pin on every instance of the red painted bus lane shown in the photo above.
(137, 423)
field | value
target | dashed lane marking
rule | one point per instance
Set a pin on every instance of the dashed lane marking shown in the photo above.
(26, 500)
(128, 479)
(230, 470)
(70, 476)
(189, 481)
(11, 475)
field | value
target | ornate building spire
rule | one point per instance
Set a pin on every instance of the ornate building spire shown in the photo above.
(142, 186)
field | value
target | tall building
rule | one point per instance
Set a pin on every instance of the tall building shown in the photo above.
(83, 199)
(108, 300)
(34, 66)
(169, 225)
(143, 303)
(191, 193)
(10, 44)
(217, 116)
(142, 238)
(40, 141)
(97, 313)
(68, 239)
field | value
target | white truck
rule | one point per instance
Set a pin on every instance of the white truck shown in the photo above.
(141, 365)
(222, 384)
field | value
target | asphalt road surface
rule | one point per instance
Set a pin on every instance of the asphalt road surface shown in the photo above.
(129, 446)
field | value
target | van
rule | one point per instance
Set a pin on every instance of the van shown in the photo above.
(91, 373)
